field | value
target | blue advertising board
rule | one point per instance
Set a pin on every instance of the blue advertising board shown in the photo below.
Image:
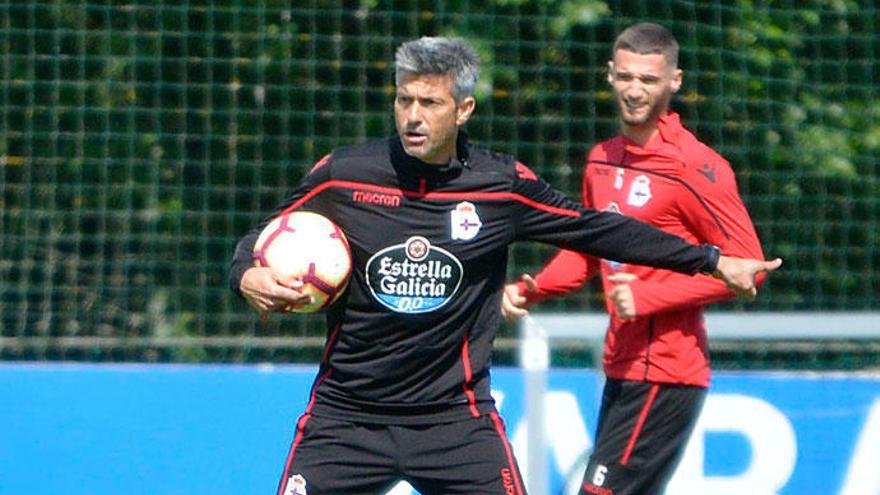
(143, 429)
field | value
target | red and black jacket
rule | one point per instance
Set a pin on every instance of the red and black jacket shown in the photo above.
(411, 339)
(683, 187)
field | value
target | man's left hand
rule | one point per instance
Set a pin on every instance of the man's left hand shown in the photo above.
(739, 273)
(622, 295)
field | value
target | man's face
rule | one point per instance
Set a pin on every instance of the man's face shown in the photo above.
(643, 86)
(428, 117)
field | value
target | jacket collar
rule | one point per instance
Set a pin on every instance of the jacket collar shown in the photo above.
(408, 165)
(665, 142)
(670, 127)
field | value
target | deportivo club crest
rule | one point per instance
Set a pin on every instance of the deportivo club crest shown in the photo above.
(296, 485)
(465, 221)
(639, 191)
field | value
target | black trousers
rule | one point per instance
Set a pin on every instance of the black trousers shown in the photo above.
(642, 433)
(467, 457)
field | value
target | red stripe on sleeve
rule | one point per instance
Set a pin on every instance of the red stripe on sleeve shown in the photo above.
(323, 161)
(524, 172)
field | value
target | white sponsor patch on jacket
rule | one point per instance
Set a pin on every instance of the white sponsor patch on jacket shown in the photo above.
(413, 277)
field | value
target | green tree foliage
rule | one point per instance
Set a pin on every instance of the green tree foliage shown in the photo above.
(139, 140)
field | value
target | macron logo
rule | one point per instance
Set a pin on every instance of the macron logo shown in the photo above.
(375, 198)
(507, 479)
(708, 172)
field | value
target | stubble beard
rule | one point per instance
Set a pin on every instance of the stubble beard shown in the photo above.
(655, 111)
(433, 146)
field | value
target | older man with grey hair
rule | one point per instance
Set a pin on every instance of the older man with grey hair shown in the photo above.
(403, 389)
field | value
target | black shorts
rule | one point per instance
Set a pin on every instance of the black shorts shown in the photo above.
(642, 433)
(467, 457)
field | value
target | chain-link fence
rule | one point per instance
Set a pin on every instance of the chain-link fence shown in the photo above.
(139, 140)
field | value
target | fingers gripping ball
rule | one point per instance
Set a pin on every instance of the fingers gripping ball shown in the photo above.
(308, 246)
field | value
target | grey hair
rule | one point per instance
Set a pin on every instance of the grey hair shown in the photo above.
(436, 55)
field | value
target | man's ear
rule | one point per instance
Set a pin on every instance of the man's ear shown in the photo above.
(676, 80)
(611, 72)
(464, 110)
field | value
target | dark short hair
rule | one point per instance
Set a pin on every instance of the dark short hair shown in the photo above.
(646, 38)
(437, 55)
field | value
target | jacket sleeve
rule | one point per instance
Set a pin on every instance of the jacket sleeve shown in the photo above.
(546, 215)
(716, 214)
(243, 258)
(567, 271)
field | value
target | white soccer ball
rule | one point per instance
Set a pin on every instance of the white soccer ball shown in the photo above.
(309, 246)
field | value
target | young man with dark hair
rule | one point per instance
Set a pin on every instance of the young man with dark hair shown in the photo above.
(402, 392)
(656, 355)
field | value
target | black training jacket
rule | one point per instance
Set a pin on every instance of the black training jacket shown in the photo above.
(411, 339)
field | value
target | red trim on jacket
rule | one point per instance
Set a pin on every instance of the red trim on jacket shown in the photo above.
(487, 196)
